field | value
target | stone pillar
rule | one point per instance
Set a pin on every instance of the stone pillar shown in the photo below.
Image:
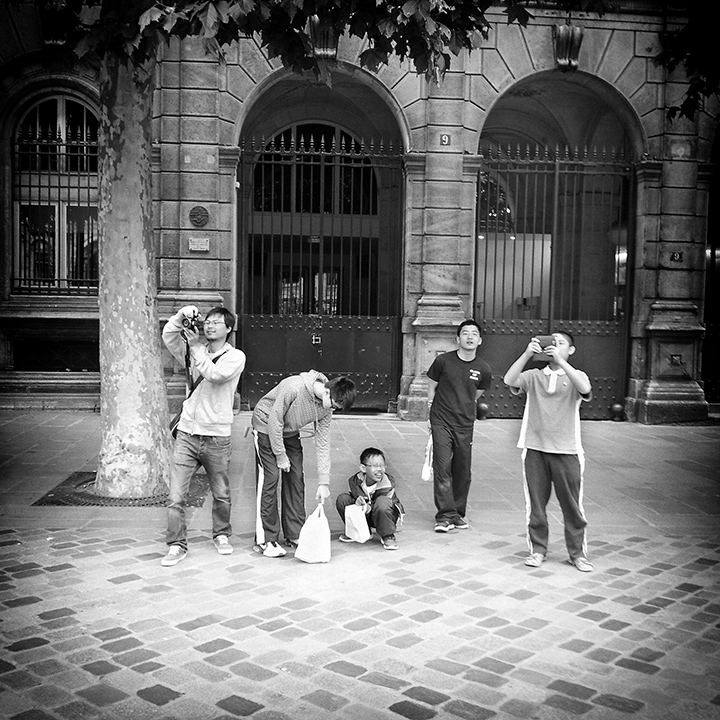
(672, 393)
(666, 333)
(440, 249)
(437, 316)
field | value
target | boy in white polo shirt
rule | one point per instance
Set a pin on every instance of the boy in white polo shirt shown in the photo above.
(552, 450)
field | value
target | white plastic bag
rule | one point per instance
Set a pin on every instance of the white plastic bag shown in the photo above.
(427, 469)
(314, 541)
(356, 525)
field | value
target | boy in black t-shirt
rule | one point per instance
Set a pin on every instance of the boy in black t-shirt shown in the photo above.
(455, 382)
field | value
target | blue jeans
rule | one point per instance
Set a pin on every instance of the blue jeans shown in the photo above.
(192, 451)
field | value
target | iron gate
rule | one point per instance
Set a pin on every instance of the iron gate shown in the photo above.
(553, 239)
(321, 222)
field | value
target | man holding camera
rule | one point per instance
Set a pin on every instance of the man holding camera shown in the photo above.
(203, 433)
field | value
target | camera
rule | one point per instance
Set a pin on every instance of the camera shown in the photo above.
(544, 341)
(194, 322)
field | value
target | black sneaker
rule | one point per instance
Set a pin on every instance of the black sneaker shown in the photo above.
(461, 524)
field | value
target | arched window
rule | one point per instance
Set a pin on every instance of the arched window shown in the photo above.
(315, 168)
(55, 164)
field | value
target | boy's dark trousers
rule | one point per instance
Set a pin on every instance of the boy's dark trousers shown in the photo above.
(452, 460)
(543, 471)
(383, 514)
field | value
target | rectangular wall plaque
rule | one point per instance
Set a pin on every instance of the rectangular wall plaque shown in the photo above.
(199, 244)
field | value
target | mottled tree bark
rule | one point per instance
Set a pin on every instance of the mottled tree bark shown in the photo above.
(135, 446)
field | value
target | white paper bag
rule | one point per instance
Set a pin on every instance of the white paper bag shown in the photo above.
(427, 469)
(314, 541)
(356, 526)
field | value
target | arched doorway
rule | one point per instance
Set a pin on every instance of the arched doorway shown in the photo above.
(554, 229)
(320, 228)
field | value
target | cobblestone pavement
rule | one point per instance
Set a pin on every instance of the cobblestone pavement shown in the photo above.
(448, 626)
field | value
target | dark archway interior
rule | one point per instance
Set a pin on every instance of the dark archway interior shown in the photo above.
(552, 109)
(348, 103)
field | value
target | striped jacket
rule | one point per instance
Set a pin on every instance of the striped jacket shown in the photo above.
(289, 406)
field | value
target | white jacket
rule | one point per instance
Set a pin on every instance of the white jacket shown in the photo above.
(209, 410)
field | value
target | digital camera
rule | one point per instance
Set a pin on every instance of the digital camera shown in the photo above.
(194, 322)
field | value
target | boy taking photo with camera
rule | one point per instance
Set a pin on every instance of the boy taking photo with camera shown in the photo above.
(550, 440)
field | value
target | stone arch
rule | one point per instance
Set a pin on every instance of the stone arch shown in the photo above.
(354, 93)
(577, 111)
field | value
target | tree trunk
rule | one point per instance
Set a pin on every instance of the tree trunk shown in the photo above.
(135, 446)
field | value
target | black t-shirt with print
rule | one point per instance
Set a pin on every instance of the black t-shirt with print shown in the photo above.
(458, 380)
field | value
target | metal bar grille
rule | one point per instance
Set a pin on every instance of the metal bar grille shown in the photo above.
(317, 242)
(55, 203)
(552, 232)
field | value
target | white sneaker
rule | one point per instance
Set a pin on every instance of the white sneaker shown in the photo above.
(174, 555)
(272, 549)
(223, 546)
(269, 549)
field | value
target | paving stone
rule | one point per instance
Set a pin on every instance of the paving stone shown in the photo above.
(19, 680)
(45, 668)
(572, 689)
(404, 641)
(647, 654)
(101, 668)
(378, 678)
(121, 646)
(641, 667)
(78, 710)
(519, 708)
(58, 613)
(102, 695)
(226, 657)
(343, 667)
(213, 645)
(252, 671)
(566, 704)
(49, 695)
(32, 715)
(236, 705)
(147, 667)
(27, 644)
(602, 655)
(623, 704)
(468, 711)
(426, 695)
(200, 622)
(412, 710)
(448, 667)
(158, 694)
(360, 624)
(112, 634)
(326, 700)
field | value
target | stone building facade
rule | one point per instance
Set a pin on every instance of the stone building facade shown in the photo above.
(353, 225)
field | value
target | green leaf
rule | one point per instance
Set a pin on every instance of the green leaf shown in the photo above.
(152, 15)
(387, 27)
(410, 8)
(372, 59)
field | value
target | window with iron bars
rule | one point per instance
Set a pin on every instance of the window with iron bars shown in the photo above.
(55, 180)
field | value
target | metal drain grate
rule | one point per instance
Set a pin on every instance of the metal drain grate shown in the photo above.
(79, 490)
